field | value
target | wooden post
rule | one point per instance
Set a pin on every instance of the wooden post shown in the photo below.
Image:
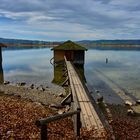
(65, 100)
(43, 132)
(78, 122)
(43, 122)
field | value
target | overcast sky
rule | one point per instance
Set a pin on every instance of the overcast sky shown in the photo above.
(70, 19)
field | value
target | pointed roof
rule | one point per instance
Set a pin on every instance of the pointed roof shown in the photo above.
(69, 45)
(2, 45)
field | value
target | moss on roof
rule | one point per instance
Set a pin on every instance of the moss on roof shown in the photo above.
(69, 45)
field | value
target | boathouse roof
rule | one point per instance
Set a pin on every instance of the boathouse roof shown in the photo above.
(2, 45)
(69, 45)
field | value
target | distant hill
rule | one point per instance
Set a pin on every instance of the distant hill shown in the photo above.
(25, 44)
(125, 42)
(98, 44)
(21, 41)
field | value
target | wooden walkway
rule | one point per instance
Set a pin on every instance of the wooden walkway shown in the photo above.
(89, 116)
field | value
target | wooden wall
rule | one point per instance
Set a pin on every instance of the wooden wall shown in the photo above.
(59, 55)
(75, 56)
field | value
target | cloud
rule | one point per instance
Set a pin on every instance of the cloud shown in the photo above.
(90, 19)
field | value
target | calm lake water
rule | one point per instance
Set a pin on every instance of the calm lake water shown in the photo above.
(122, 70)
(30, 65)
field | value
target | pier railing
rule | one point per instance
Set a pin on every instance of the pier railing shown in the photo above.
(43, 123)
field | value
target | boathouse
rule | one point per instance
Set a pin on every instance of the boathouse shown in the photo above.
(73, 52)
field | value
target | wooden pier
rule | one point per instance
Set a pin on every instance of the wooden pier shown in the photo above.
(83, 113)
(88, 114)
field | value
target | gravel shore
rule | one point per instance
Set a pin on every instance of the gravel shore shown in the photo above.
(18, 116)
(125, 127)
(21, 106)
(40, 94)
(19, 112)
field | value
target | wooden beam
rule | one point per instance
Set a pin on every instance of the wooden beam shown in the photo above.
(65, 73)
(65, 100)
(64, 83)
(77, 123)
(45, 121)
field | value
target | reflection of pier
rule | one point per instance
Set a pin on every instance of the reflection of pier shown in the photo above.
(1, 69)
(1, 75)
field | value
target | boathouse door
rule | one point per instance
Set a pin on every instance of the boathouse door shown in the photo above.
(69, 55)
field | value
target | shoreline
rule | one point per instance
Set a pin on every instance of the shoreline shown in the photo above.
(123, 126)
(122, 47)
(15, 102)
(19, 116)
(41, 94)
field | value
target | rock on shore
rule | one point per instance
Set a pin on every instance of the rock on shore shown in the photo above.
(46, 97)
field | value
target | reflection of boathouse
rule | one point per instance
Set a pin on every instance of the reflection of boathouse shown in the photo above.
(73, 52)
(1, 69)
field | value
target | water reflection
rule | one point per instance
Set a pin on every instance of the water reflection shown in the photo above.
(122, 70)
(1, 69)
(60, 76)
(1, 77)
(33, 66)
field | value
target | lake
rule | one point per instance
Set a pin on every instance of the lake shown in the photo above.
(121, 72)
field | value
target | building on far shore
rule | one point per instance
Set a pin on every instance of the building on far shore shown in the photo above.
(73, 52)
(1, 68)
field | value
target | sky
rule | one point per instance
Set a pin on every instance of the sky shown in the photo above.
(59, 20)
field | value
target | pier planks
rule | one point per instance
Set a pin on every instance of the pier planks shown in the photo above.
(89, 116)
